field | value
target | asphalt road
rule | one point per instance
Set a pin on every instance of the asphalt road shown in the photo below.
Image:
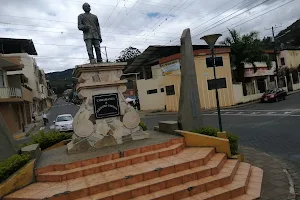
(60, 107)
(269, 127)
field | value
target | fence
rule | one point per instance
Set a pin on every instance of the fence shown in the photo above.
(10, 93)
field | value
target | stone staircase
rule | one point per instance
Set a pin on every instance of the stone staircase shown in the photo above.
(167, 171)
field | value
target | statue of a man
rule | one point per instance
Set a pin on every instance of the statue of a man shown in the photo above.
(88, 23)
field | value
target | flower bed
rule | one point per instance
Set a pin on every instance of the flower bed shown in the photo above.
(233, 139)
(48, 139)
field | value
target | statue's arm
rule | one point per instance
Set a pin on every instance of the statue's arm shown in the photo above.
(99, 30)
(81, 26)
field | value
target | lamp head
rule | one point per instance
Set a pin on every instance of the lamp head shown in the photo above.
(211, 39)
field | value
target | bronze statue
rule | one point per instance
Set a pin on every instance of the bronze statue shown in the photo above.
(88, 23)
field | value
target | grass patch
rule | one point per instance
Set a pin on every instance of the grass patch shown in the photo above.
(143, 125)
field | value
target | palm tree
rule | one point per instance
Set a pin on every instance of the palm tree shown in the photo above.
(245, 49)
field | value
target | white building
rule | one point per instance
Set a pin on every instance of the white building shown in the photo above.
(36, 80)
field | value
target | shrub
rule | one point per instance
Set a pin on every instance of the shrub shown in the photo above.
(233, 139)
(12, 164)
(207, 131)
(143, 125)
(48, 139)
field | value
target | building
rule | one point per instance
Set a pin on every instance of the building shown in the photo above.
(24, 49)
(15, 95)
(159, 86)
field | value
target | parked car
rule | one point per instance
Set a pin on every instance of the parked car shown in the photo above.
(274, 95)
(64, 123)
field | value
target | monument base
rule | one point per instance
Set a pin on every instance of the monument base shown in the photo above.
(104, 118)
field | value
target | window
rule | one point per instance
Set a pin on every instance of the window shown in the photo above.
(1, 79)
(218, 61)
(170, 90)
(162, 89)
(272, 78)
(282, 61)
(154, 91)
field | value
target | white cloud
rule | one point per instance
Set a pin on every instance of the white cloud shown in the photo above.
(131, 23)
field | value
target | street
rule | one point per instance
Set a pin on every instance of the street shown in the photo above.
(268, 127)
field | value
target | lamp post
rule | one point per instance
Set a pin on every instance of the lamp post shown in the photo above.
(211, 41)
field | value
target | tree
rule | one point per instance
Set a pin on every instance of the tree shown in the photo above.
(245, 49)
(128, 54)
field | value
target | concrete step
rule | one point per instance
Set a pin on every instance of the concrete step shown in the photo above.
(57, 173)
(172, 172)
(120, 177)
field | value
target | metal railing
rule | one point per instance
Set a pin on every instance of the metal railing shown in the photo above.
(10, 93)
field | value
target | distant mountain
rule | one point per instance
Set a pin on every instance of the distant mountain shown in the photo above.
(291, 35)
(60, 81)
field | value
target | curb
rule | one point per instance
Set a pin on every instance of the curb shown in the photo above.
(224, 108)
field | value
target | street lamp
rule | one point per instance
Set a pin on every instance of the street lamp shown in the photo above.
(211, 41)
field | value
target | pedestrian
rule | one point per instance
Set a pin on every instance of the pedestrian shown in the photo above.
(44, 116)
(34, 117)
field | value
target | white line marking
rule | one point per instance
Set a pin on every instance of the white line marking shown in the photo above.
(286, 113)
(290, 110)
(228, 113)
(270, 113)
(254, 113)
(250, 115)
(291, 183)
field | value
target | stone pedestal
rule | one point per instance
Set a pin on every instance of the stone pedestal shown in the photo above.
(104, 118)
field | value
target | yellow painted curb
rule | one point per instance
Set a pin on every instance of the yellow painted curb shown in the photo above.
(200, 140)
(19, 179)
(61, 143)
(19, 136)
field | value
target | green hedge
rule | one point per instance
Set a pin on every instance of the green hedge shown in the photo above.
(11, 165)
(48, 139)
(233, 139)
(143, 125)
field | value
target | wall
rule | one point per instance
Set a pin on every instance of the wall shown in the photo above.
(292, 58)
(151, 101)
(207, 97)
(10, 113)
(29, 71)
(27, 95)
(240, 98)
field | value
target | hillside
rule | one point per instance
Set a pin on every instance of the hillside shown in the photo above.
(60, 81)
(287, 38)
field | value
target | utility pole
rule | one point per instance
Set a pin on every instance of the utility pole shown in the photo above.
(275, 57)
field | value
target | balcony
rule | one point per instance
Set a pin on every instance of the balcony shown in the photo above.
(9, 94)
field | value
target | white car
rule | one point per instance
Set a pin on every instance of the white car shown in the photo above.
(64, 122)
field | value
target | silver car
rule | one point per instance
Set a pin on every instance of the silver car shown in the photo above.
(64, 122)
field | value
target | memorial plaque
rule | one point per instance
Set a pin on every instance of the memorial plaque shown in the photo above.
(106, 105)
(216, 83)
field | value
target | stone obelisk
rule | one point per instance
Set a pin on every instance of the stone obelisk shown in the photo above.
(190, 115)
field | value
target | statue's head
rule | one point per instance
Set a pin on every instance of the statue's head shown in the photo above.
(86, 7)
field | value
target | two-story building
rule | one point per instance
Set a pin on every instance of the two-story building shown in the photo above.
(159, 86)
(15, 95)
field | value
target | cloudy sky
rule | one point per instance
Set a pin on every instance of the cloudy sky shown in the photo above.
(52, 24)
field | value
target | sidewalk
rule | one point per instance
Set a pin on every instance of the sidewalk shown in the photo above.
(155, 113)
(276, 181)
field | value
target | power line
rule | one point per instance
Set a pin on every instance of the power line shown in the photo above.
(239, 24)
(155, 23)
(168, 15)
(126, 14)
(197, 34)
(210, 18)
(111, 13)
(8, 23)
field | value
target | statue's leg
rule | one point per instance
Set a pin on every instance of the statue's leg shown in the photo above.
(89, 48)
(96, 44)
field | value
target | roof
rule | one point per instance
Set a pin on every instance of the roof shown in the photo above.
(153, 54)
(196, 53)
(12, 45)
